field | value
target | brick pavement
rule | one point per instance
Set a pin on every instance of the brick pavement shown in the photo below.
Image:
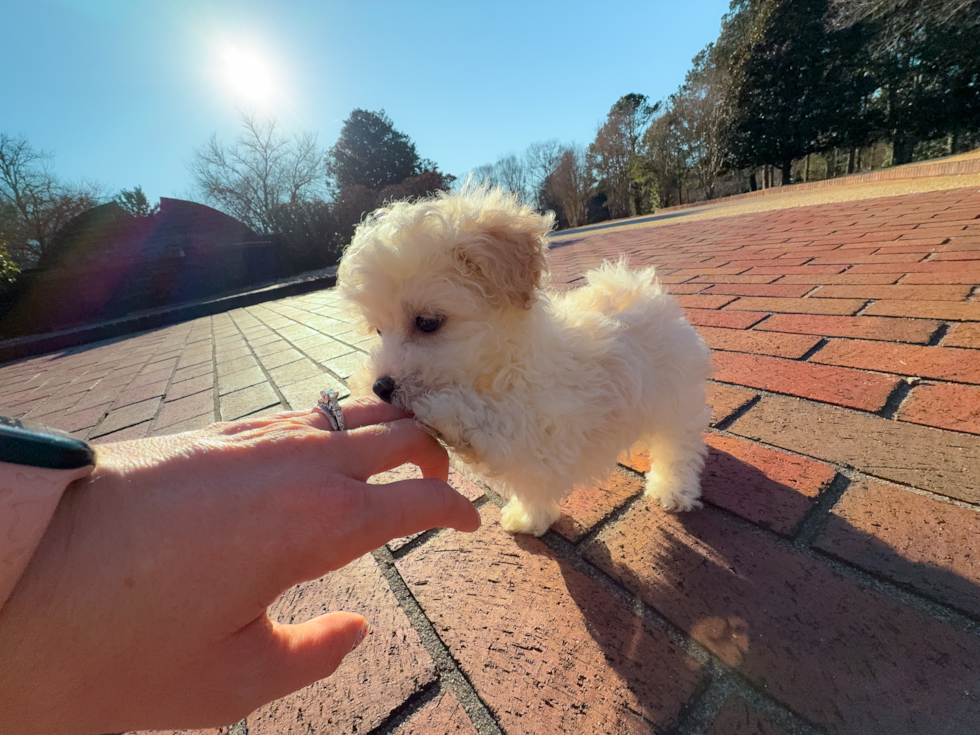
(830, 585)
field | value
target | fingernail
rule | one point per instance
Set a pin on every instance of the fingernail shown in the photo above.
(361, 635)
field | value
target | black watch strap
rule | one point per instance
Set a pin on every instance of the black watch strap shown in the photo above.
(34, 445)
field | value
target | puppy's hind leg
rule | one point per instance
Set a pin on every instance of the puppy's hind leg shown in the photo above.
(676, 461)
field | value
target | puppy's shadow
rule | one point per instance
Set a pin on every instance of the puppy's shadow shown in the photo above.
(846, 657)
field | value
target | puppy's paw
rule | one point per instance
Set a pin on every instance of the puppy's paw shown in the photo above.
(680, 503)
(518, 518)
(674, 497)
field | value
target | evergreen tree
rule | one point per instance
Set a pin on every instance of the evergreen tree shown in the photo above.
(372, 154)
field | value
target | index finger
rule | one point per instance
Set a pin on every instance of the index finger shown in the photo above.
(377, 448)
(397, 509)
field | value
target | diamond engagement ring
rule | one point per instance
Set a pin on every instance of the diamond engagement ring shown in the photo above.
(330, 407)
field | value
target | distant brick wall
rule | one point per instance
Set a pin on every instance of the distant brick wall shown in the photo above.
(108, 266)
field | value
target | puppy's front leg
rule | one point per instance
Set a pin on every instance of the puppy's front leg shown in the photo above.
(467, 423)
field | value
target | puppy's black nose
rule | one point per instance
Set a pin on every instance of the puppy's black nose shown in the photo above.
(383, 388)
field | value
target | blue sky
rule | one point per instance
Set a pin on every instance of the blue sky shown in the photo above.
(123, 91)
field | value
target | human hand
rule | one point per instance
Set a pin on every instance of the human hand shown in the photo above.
(145, 605)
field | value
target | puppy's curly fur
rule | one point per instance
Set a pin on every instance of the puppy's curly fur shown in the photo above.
(536, 391)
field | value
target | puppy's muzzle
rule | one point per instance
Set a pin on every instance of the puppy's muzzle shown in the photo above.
(384, 388)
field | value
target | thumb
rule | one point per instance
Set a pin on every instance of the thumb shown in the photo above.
(313, 650)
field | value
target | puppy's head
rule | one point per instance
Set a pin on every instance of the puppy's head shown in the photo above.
(446, 283)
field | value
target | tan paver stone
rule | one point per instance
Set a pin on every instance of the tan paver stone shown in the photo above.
(305, 393)
(913, 540)
(386, 669)
(233, 366)
(230, 382)
(346, 365)
(294, 372)
(549, 650)
(246, 401)
(784, 620)
(940, 461)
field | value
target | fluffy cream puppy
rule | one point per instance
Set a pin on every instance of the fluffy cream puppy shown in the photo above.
(535, 391)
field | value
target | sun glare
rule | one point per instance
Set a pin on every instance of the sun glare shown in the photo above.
(248, 76)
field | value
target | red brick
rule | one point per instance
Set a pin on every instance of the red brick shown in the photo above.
(683, 289)
(967, 311)
(190, 387)
(690, 272)
(137, 393)
(842, 307)
(963, 335)
(768, 487)
(785, 622)
(725, 400)
(137, 431)
(970, 278)
(704, 302)
(444, 714)
(75, 421)
(842, 386)
(120, 418)
(800, 270)
(184, 409)
(911, 539)
(930, 459)
(587, 505)
(734, 279)
(927, 267)
(548, 649)
(791, 261)
(926, 362)
(386, 669)
(971, 255)
(763, 343)
(916, 293)
(851, 258)
(892, 330)
(737, 717)
(730, 319)
(776, 289)
(946, 406)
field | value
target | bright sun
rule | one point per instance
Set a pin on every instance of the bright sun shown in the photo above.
(248, 75)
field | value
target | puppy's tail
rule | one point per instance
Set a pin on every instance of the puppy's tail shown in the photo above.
(615, 286)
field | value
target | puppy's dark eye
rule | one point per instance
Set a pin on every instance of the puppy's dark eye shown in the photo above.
(428, 323)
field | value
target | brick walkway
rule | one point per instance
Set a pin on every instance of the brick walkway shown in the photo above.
(831, 584)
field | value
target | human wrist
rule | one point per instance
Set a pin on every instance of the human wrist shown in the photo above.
(28, 499)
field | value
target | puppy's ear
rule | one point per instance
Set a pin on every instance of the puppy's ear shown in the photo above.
(506, 255)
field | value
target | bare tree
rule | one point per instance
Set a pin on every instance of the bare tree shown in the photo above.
(614, 153)
(540, 159)
(571, 183)
(34, 202)
(261, 170)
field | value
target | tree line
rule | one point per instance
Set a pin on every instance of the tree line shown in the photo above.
(805, 88)
(802, 89)
(279, 184)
